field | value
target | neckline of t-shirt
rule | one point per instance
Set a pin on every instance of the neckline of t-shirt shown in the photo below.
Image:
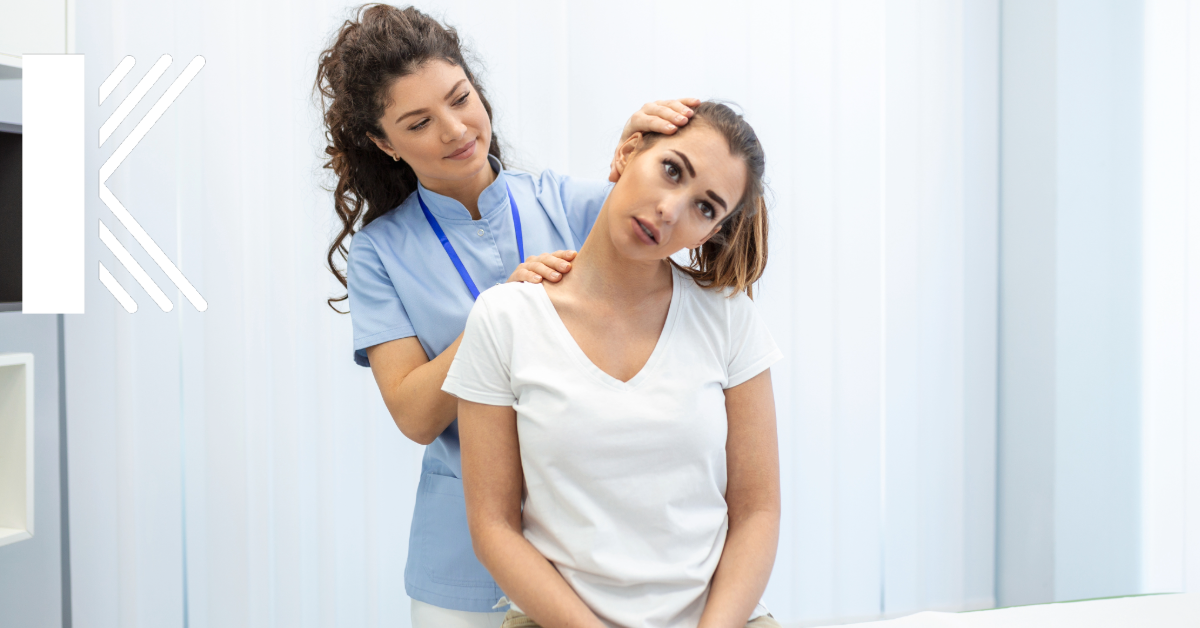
(585, 363)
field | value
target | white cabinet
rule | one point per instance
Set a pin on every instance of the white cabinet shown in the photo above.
(32, 26)
(16, 447)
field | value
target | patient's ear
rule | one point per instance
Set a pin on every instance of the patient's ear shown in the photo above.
(625, 152)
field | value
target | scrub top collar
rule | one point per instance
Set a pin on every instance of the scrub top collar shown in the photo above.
(492, 201)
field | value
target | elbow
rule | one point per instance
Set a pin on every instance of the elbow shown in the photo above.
(412, 429)
(420, 439)
(479, 546)
(484, 539)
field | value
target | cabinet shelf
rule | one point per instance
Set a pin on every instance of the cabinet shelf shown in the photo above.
(16, 447)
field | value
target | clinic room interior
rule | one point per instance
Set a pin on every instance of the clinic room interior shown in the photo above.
(624, 314)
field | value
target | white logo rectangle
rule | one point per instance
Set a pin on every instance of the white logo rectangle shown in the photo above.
(52, 175)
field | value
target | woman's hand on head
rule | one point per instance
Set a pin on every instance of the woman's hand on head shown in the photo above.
(545, 267)
(660, 116)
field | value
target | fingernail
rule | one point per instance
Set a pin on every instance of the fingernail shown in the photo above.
(670, 127)
(680, 118)
(554, 275)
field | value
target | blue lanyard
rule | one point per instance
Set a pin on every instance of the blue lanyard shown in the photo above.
(462, 270)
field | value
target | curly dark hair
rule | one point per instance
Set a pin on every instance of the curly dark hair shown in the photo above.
(367, 54)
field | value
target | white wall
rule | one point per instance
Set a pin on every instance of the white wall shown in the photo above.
(236, 467)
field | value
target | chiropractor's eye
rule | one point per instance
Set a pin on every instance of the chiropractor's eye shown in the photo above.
(671, 169)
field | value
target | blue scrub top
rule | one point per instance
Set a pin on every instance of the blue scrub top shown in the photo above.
(402, 283)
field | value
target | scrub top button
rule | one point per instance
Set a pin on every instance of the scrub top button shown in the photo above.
(480, 232)
(499, 282)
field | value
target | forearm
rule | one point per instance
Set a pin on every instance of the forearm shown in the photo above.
(529, 580)
(743, 571)
(418, 406)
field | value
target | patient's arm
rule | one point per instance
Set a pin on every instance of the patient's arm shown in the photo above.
(752, 494)
(492, 482)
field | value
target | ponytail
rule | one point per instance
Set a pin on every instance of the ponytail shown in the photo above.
(737, 255)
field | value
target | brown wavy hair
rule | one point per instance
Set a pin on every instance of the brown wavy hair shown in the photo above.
(737, 255)
(366, 55)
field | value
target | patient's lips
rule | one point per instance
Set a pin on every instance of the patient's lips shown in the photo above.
(646, 231)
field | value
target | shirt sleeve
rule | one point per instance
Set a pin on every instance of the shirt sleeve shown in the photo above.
(481, 368)
(376, 311)
(752, 350)
(582, 200)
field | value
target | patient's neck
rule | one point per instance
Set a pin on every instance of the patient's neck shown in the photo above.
(601, 272)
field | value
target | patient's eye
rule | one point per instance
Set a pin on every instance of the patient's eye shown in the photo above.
(671, 169)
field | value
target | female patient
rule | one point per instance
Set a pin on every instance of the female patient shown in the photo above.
(628, 408)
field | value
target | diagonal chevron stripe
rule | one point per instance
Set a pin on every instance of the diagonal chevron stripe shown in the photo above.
(117, 291)
(122, 214)
(119, 251)
(114, 79)
(156, 112)
(149, 245)
(134, 97)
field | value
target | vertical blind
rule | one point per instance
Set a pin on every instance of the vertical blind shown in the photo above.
(1171, 298)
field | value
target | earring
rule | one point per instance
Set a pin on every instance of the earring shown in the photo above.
(395, 158)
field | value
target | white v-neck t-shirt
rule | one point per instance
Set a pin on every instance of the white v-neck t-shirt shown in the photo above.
(625, 480)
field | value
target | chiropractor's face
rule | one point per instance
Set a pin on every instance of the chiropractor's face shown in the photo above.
(674, 193)
(436, 123)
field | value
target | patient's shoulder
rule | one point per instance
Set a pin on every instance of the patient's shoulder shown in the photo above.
(718, 302)
(510, 300)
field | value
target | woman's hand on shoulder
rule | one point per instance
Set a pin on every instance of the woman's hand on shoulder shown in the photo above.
(659, 116)
(545, 267)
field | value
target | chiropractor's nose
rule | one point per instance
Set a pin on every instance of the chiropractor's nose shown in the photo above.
(454, 130)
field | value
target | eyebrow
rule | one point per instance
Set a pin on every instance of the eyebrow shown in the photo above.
(454, 89)
(450, 93)
(692, 171)
(686, 162)
(713, 196)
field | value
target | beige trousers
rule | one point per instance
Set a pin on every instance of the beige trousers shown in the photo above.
(513, 619)
(430, 616)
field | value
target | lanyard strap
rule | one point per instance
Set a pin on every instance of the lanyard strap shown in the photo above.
(462, 270)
